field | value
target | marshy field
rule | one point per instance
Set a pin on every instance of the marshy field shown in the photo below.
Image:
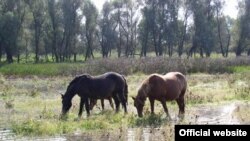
(30, 101)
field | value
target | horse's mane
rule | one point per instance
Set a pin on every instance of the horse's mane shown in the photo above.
(75, 80)
(78, 78)
(143, 90)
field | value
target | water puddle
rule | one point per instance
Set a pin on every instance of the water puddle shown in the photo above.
(216, 115)
(6, 135)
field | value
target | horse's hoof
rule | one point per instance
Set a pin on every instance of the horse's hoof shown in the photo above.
(181, 117)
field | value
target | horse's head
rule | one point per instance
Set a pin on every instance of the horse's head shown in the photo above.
(138, 103)
(71, 91)
(66, 104)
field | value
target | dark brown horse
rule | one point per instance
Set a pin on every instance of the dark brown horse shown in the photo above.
(93, 102)
(171, 86)
(88, 87)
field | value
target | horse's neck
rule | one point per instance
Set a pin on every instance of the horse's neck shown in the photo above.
(69, 96)
(142, 96)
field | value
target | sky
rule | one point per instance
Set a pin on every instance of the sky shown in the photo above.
(230, 7)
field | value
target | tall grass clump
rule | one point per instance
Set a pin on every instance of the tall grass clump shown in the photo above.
(33, 127)
(162, 65)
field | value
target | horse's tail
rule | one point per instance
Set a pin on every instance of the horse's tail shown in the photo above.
(183, 83)
(125, 91)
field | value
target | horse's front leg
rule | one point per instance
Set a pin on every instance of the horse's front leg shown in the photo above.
(152, 101)
(87, 107)
(165, 108)
(81, 108)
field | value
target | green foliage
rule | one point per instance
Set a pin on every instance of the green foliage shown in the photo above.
(239, 69)
(147, 120)
(35, 127)
(48, 69)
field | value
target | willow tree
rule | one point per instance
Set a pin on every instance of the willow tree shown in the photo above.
(90, 12)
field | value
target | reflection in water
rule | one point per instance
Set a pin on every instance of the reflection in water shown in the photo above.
(6, 135)
(146, 134)
(131, 134)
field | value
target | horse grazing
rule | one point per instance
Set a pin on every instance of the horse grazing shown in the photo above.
(88, 87)
(171, 86)
(93, 102)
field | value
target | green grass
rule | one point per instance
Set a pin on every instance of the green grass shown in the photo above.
(31, 106)
(239, 69)
(45, 69)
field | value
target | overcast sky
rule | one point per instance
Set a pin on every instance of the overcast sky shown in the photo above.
(229, 9)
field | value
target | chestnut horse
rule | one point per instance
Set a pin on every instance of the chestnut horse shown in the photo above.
(88, 87)
(171, 86)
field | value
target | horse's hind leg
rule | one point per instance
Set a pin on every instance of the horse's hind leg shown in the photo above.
(165, 108)
(123, 100)
(117, 103)
(181, 103)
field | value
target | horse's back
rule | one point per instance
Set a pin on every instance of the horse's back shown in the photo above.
(176, 82)
(115, 79)
(179, 77)
(170, 86)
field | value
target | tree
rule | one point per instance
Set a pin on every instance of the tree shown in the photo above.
(244, 33)
(204, 22)
(107, 35)
(38, 11)
(90, 13)
(55, 18)
(144, 31)
(183, 27)
(71, 23)
(11, 19)
(118, 5)
(8, 34)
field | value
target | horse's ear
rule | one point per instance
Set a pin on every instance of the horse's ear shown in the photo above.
(62, 95)
(133, 98)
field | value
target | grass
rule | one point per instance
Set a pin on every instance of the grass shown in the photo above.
(239, 69)
(30, 103)
(31, 106)
(45, 69)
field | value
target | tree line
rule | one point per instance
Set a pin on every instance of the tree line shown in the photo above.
(63, 29)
